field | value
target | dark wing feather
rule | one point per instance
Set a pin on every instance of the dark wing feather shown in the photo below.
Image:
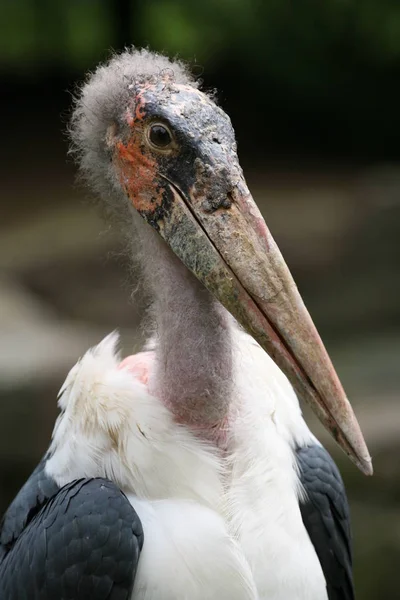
(326, 516)
(84, 542)
(38, 489)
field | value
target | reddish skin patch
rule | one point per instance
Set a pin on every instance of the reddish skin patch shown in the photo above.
(140, 107)
(139, 365)
(138, 174)
(140, 103)
(136, 165)
(217, 435)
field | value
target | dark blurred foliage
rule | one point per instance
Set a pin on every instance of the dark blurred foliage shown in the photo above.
(313, 90)
(317, 77)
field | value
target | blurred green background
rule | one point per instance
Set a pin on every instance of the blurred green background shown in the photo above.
(313, 89)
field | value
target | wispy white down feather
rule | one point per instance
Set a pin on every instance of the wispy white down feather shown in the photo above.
(110, 426)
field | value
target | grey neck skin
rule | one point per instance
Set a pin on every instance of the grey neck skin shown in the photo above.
(193, 371)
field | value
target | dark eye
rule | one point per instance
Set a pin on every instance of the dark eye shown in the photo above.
(160, 136)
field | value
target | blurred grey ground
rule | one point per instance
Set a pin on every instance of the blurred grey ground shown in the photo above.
(63, 285)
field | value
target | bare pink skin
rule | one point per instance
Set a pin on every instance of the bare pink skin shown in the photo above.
(139, 365)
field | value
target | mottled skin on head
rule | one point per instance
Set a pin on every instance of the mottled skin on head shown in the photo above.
(202, 154)
(110, 126)
(117, 103)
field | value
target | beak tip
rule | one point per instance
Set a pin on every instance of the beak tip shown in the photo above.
(364, 463)
(351, 439)
(366, 466)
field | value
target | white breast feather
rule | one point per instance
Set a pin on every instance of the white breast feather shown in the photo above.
(263, 496)
(110, 426)
(189, 554)
(205, 516)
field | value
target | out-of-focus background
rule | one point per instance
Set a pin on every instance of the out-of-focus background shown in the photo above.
(313, 89)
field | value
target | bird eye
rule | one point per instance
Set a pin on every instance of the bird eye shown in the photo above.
(159, 136)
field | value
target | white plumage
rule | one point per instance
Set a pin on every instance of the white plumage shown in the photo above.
(220, 523)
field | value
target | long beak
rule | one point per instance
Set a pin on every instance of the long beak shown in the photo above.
(234, 255)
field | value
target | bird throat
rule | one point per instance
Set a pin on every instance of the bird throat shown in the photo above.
(193, 372)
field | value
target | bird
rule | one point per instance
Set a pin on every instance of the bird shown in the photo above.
(186, 471)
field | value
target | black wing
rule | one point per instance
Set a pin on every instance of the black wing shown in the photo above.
(38, 489)
(326, 516)
(83, 542)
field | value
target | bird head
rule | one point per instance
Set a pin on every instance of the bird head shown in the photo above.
(149, 140)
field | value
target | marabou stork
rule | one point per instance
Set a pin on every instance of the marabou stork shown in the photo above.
(187, 470)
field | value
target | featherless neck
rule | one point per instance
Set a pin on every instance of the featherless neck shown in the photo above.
(193, 372)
